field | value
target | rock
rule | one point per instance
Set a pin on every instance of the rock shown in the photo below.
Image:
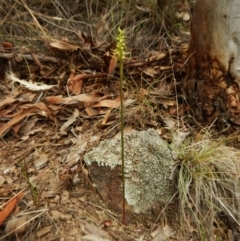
(148, 162)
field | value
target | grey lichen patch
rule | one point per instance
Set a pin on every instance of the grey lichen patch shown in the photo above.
(148, 162)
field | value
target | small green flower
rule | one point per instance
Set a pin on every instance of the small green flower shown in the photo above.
(120, 52)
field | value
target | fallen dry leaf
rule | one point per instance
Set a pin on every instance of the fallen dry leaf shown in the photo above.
(7, 101)
(40, 161)
(28, 126)
(91, 228)
(109, 123)
(17, 127)
(156, 57)
(13, 121)
(143, 92)
(75, 87)
(75, 82)
(107, 223)
(2, 180)
(150, 71)
(26, 110)
(57, 215)
(93, 237)
(162, 233)
(127, 130)
(72, 99)
(109, 103)
(178, 110)
(111, 68)
(163, 101)
(61, 45)
(105, 118)
(70, 120)
(163, 68)
(7, 45)
(43, 231)
(88, 76)
(16, 226)
(89, 110)
(9, 206)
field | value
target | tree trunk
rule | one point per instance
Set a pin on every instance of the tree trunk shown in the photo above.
(214, 61)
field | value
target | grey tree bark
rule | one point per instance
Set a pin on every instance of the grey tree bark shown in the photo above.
(214, 59)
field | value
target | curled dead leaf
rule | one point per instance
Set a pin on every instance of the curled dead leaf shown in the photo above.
(16, 226)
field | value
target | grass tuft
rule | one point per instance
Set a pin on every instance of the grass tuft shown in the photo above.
(207, 182)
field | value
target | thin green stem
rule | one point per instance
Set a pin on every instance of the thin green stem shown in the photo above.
(120, 53)
(122, 138)
(32, 189)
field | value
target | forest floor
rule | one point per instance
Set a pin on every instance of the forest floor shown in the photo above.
(57, 91)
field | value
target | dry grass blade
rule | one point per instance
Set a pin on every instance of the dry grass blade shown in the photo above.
(35, 20)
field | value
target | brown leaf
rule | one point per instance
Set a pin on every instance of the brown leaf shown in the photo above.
(82, 76)
(70, 120)
(75, 87)
(7, 101)
(16, 226)
(109, 52)
(163, 101)
(43, 231)
(162, 233)
(106, 223)
(150, 71)
(156, 57)
(165, 68)
(17, 127)
(90, 112)
(61, 45)
(8, 208)
(178, 110)
(25, 111)
(88, 76)
(111, 68)
(87, 40)
(91, 228)
(71, 100)
(7, 45)
(13, 121)
(143, 92)
(75, 83)
(127, 130)
(109, 103)
(104, 121)
(106, 124)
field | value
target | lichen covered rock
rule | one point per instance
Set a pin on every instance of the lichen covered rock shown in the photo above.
(148, 162)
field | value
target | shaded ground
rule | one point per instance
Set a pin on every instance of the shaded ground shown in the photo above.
(38, 131)
(39, 127)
